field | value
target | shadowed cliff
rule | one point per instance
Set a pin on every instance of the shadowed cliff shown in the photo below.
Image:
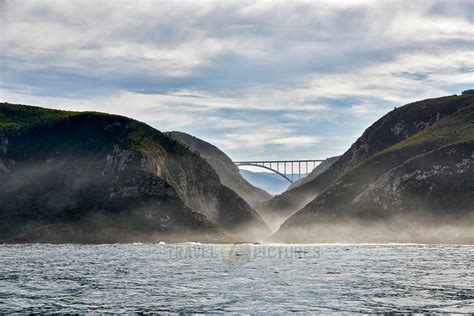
(93, 177)
(407, 178)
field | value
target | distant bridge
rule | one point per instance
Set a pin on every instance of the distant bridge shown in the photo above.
(294, 167)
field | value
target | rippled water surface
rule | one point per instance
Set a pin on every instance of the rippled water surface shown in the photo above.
(241, 278)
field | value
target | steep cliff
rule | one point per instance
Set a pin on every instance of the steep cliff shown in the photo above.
(412, 168)
(392, 128)
(224, 166)
(93, 177)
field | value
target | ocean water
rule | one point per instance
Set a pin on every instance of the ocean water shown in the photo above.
(236, 278)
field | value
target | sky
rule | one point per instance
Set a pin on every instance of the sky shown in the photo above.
(259, 79)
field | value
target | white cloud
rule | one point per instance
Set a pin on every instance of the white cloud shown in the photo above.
(260, 136)
(251, 74)
(297, 141)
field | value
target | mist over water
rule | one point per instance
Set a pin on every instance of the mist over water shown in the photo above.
(423, 229)
(236, 278)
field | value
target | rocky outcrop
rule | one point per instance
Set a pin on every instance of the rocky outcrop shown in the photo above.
(106, 178)
(413, 165)
(439, 181)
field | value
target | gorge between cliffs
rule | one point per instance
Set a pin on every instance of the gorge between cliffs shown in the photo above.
(89, 177)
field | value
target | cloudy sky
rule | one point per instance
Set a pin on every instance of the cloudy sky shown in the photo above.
(259, 79)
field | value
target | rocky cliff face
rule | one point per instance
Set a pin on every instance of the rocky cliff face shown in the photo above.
(225, 168)
(91, 177)
(392, 128)
(412, 167)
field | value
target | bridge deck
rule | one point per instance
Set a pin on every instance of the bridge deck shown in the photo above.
(280, 161)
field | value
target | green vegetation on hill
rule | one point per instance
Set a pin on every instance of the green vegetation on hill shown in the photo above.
(456, 128)
(136, 135)
(17, 116)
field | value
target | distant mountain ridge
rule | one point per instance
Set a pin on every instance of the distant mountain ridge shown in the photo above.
(411, 169)
(271, 182)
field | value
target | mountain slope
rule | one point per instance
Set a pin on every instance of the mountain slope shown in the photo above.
(228, 173)
(93, 177)
(392, 128)
(417, 189)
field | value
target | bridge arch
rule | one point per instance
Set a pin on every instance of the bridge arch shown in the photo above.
(294, 166)
(238, 164)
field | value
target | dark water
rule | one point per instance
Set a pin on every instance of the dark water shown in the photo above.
(244, 278)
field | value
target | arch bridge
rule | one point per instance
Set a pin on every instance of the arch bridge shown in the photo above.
(296, 168)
